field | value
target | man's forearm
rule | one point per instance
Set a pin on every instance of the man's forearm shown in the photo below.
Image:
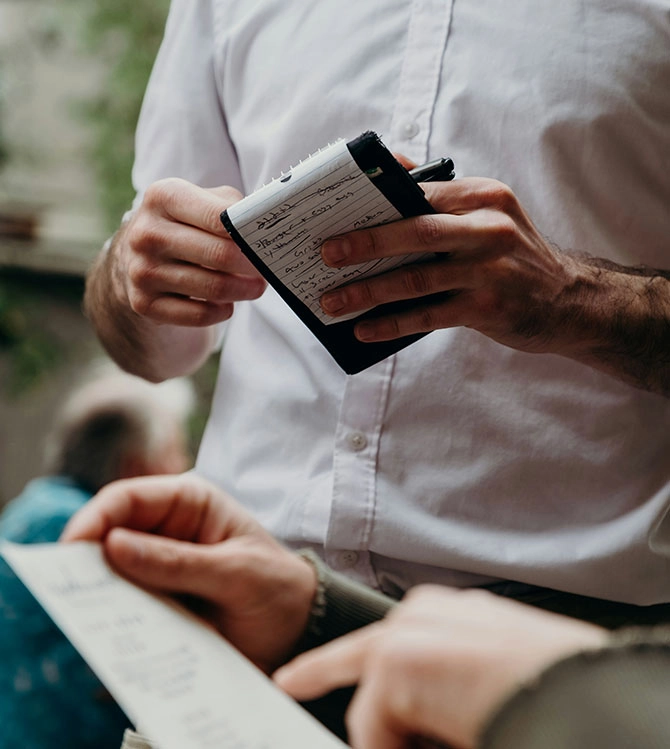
(617, 320)
(137, 345)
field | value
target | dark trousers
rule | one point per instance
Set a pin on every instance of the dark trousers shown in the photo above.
(608, 614)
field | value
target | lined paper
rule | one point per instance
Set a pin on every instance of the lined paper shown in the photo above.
(177, 679)
(286, 222)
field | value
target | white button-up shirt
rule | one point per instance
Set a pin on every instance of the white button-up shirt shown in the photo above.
(457, 460)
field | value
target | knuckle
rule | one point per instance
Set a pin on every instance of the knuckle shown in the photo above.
(219, 254)
(171, 560)
(416, 279)
(200, 314)
(215, 287)
(140, 302)
(368, 244)
(366, 295)
(163, 194)
(428, 230)
(226, 194)
(212, 219)
(145, 236)
(499, 195)
(490, 305)
(141, 273)
(505, 232)
(206, 314)
(393, 327)
(426, 318)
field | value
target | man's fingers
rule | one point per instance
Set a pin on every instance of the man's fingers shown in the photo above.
(189, 204)
(192, 281)
(454, 310)
(337, 664)
(191, 296)
(452, 228)
(429, 233)
(462, 196)
(159, 241)
(411, 281)
(187, 313)
(438, 233)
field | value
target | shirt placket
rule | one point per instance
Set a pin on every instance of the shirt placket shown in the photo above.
(354, 471)
(420, 78)
(366, 395)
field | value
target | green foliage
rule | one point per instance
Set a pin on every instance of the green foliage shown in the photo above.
(125, 35)
(32, 351)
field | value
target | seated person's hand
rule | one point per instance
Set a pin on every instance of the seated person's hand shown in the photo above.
(437, 666)
(183, 535)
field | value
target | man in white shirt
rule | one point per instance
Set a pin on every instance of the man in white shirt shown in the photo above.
(526, 440)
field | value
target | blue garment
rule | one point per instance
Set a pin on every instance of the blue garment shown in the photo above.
(49, 698)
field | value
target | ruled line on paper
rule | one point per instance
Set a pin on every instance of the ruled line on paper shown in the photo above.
(286, 222)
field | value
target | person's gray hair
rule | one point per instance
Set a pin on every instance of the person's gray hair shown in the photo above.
(110, 417)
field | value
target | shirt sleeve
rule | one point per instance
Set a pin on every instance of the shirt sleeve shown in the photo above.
(615, 698)
(340, 605)
(182, 129)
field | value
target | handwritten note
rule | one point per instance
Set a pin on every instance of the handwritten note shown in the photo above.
(286, 222)
(175, 678)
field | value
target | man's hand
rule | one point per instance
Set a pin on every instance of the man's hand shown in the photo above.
(495, 273)
(173, 266)
(183, 535)
(437, 666)
(498, 270)
(177, 264)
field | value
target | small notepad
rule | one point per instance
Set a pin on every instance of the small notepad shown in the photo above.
(286, 222)
(342, 188)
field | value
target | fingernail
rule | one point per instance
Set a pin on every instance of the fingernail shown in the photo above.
(336, 251)
(365, 331)
(333, 302)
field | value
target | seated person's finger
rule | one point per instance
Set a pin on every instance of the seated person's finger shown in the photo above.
(142, 504)
(164, 563)
(319, 671)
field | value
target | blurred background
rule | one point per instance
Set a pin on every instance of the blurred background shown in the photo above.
(72, 74)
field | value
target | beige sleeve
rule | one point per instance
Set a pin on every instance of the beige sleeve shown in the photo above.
(340, 605)
(614, 698)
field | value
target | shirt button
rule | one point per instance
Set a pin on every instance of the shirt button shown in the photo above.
(409, 130)
(348, 559)
(357, 441)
